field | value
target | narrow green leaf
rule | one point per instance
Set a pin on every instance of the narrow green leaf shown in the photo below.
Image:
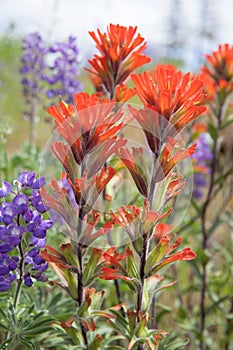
(28, 344)
(213, 131)
(177, 344)
(36, 325)
(37, 331)
(6, 344)
(111, 339)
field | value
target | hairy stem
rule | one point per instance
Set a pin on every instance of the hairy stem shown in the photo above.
(80, 272)
(142, 277)
(151, 198)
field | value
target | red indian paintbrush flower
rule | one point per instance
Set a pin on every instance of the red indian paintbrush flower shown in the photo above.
(168, 158)
(89, 124)
(170, 155)
(221, 63)
(137, 221)
(120, 55)
(217, 74)
(86, 192)
(160, 255)
(173, 95)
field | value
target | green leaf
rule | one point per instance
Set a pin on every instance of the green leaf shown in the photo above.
(28, 344)
(37, 325)
(119, 318)
(115, 347)
(111, 339)
(155, 256)
(4, 327)
(177, 344)
(117, 326)
(3, 314)
(213, 131)
(214, 305)
(37, 331)
(6, 344)
(195, 268)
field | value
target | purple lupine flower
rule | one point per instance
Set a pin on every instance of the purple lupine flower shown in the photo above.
(33, 66)
(64, 70)
(5, 189)
(22, 227)
(202, 156)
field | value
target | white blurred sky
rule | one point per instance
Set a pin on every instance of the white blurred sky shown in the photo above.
(56, 19)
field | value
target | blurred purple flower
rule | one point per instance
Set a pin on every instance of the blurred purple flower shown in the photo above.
(64, 70)
(22, 229)
(33, 65)
(202, 156)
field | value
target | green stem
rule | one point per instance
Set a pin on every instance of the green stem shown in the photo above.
(19, 282)
(142, 276)
(32, 127)
(80, 272)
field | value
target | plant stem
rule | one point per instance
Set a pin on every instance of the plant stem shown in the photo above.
(151, 198)
(32, 127)
(19, 282)
(80, 272)
(153, 181)
(205, 233)
(142, 276)
(228, 328)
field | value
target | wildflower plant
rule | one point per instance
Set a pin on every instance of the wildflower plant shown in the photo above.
(217, 75)
(208, 219)
(93, 150)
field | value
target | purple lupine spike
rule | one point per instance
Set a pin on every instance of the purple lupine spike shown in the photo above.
(64, 70)
(33, 65)
(22, 227)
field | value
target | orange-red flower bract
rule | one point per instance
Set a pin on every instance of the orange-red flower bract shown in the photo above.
(120, 55)
(177, 97)
(89, 124)
(168, 158)
(138, 175)
(217, 73)
(221, 63)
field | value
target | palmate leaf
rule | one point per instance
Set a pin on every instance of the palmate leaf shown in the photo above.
(34, 325)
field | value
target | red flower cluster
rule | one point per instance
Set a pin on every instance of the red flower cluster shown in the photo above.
(175, 96)
(120, 55)
(217, 74)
